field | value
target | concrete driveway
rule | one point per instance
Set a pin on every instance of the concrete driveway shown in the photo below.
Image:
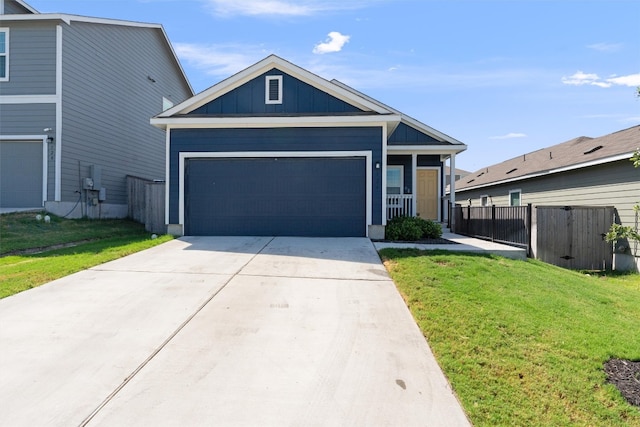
(246, 331)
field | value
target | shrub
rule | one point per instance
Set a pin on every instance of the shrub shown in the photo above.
(412, 228)
(430, 229)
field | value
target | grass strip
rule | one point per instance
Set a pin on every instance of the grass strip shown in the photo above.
(22, 272)
(522, 342)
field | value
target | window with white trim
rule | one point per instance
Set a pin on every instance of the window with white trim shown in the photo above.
(4, 54)
(273, 90)
(484, 200)
(395, 178)
(515, 198)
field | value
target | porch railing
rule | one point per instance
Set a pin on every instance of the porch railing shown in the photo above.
(399, 205)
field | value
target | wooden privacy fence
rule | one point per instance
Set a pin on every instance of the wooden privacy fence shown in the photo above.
(573, 236)
(146, 203)
(503, 224)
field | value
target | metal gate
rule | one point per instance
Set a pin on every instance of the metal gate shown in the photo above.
(573, 236)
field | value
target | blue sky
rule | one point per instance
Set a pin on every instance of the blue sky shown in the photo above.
(504, 77)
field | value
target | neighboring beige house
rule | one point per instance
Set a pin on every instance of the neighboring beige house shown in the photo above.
(581, 172)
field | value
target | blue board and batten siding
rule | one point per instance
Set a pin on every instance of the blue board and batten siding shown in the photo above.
(338, 139)
(298, 97)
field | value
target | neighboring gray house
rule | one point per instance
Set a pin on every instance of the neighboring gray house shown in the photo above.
(76, 95)
(581, 172)
(277, 150)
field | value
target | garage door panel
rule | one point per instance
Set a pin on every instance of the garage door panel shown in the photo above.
(21, 174)
(267, 196)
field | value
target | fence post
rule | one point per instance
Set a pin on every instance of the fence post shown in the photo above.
(528, 227)
(493, 223)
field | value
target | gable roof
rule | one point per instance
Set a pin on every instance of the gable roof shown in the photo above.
(574, 154)
(270, 62)
(69, 19)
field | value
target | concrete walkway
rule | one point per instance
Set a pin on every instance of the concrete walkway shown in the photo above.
(464, 244)
(222, 331)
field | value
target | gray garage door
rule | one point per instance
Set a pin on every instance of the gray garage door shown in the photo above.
(276, 197)
(20, 174)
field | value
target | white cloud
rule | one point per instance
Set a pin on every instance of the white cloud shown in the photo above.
(605, 47)
(580, 78)
(511, 135)
(282, 7)
(631, 80)
(334, 43)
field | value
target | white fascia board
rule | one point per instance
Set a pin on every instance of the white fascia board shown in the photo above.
(263, 66)
(426, 149)
(271, 122)
(551, 171)
(67, 18)
(26, 6)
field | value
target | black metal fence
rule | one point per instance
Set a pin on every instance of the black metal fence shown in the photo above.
(510, 225)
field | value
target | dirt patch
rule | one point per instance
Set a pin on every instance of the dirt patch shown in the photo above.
(438, 241)
(625, 375)
(39, 250)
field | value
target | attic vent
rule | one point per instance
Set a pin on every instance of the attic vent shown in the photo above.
(593, 150)
(470, 181)
(273, 90)
(481, 173)
(512, 170)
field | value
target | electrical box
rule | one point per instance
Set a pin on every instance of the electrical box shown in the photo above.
(87, 184)
(102, 195)
(95, 172)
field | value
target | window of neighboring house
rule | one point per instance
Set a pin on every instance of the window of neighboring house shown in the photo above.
(395, 175)
(484, 200)
(515, 197)
(4, 54)
(166, 104)
(273, 90)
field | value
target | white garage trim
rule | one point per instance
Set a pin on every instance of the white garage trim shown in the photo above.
(271, 154)
(34, 138)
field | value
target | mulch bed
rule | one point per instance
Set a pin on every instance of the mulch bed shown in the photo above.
(625, 375)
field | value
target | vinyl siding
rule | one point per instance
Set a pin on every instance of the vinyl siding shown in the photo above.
(108, 100)
(298, 97)
(281, 139)
(31, 119)
(615, 184)
(32, 59)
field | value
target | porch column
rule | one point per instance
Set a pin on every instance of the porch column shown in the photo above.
(452, 188)
(414, 180)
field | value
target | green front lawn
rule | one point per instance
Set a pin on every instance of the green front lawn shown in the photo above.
(523, 343)
(93, 242)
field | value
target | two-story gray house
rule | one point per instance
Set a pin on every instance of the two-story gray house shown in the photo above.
(76, 94)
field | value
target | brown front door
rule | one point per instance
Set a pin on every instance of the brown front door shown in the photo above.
(427, 194)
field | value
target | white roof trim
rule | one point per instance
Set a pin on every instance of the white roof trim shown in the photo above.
(408, 119)
(69, 18)
(425, 149)
(263, 66)
(271, 121)
(550, 172)
(26, 6)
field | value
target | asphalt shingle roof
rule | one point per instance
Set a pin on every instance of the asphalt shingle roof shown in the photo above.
(573, 153)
